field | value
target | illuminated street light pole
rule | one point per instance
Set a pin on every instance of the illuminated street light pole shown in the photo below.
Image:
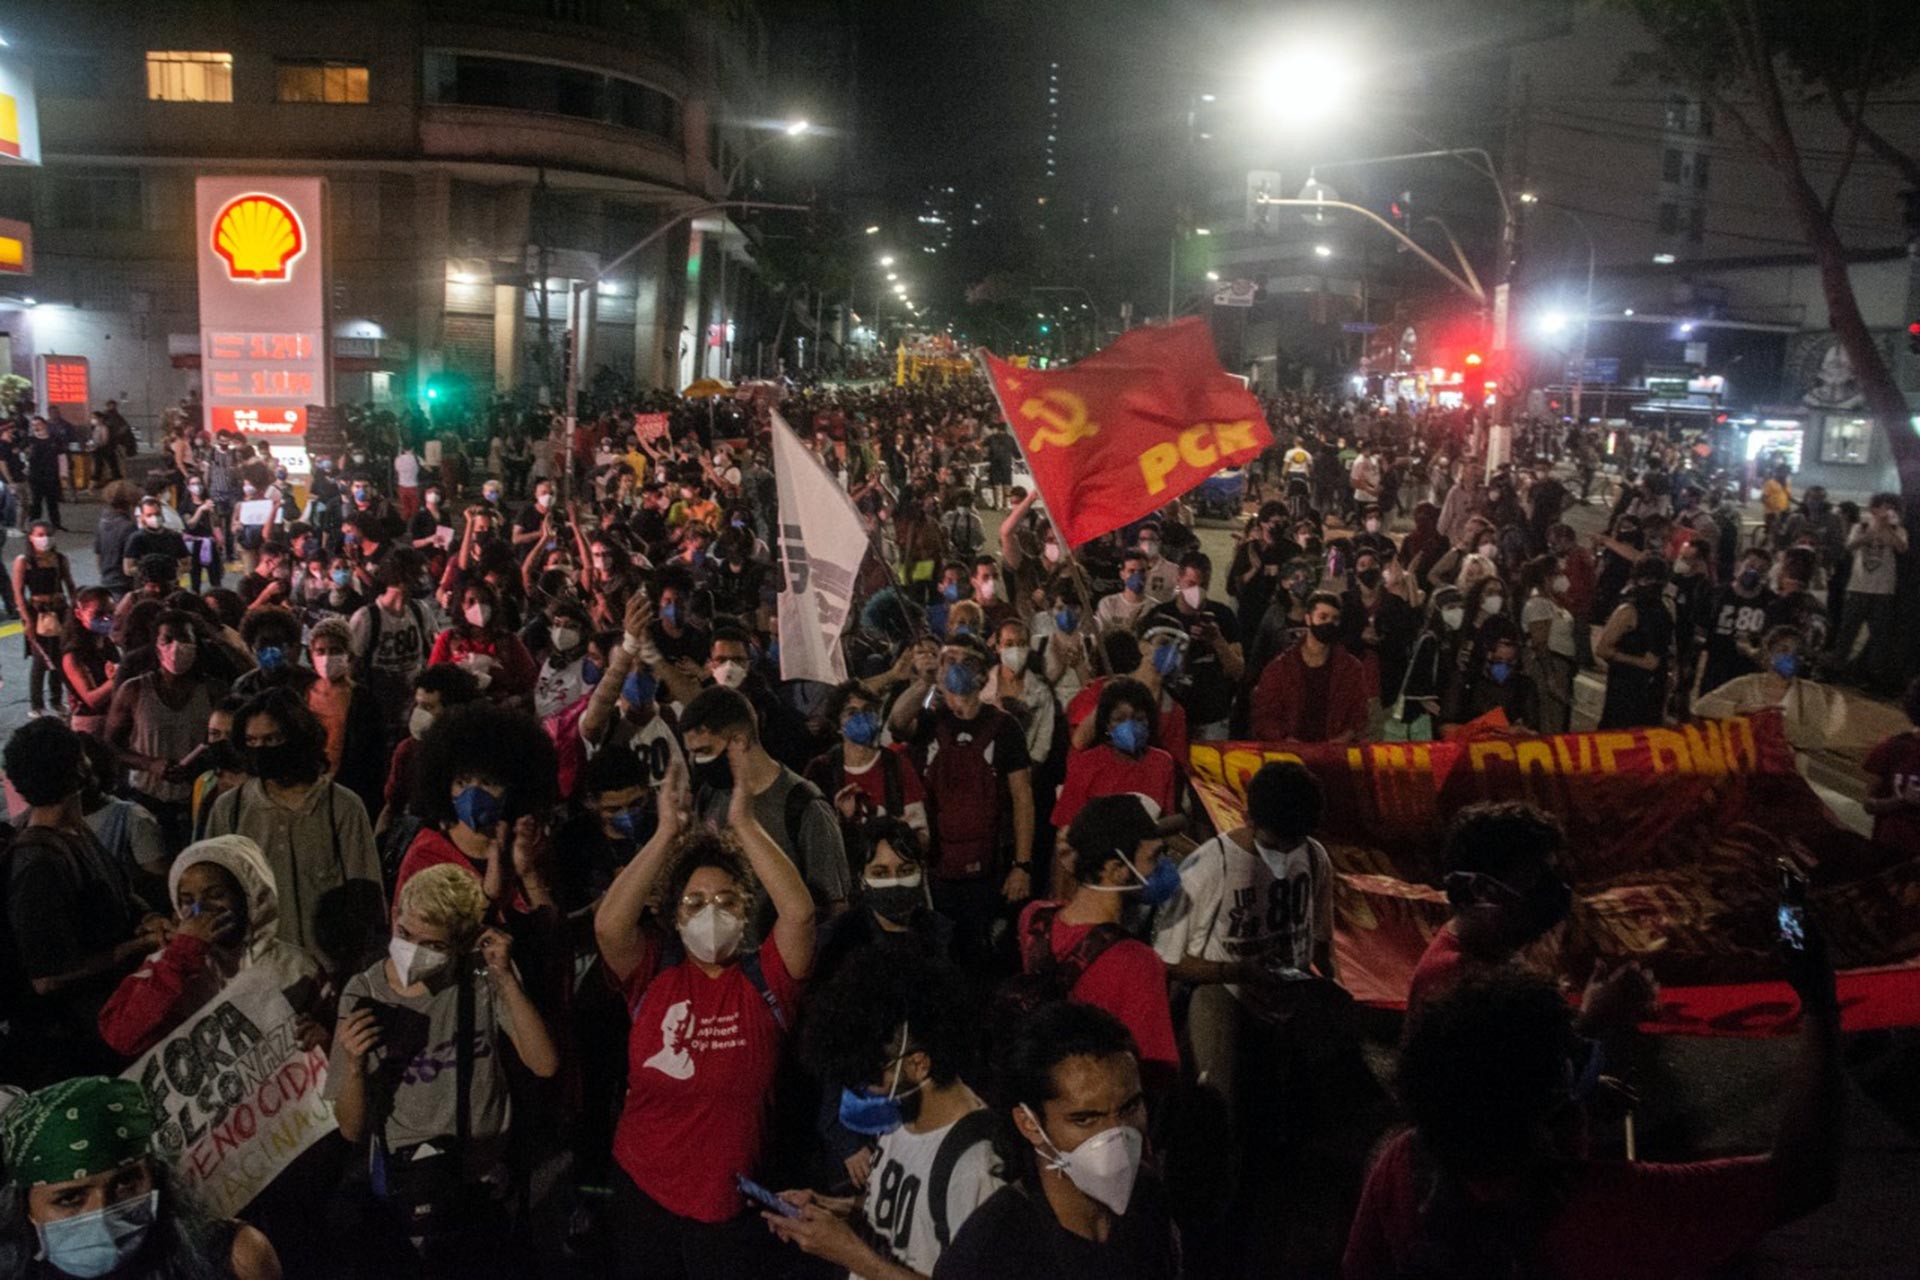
(1586, 314)
(791, 130)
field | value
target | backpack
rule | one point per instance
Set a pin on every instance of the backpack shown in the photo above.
(1045, 978)
(415, 610)
(892, 781)
(963, 798)
(968, 1132)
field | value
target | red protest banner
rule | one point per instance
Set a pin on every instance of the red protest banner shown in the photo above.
(1672, 836)
(1132, 427)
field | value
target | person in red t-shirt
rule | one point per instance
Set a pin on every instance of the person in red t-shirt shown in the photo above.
(1132, 656)
(1119, 849)
(481, 642)
(708, 1023)
(1894, 766)
(1507, 890)
(1495, 1178)
(482, 774)
(1121, 761)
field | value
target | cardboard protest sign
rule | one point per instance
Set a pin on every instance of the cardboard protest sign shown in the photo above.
(235, 1098)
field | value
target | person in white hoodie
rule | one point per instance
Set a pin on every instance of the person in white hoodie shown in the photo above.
(228, 921)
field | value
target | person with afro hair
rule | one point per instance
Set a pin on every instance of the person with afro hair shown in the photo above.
(484, 781)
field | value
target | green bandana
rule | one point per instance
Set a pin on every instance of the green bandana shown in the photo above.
(75, 1129)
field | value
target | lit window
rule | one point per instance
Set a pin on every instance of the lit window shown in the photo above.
(321, 82)
(178, 76)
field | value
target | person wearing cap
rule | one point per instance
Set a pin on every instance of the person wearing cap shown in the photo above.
(1119, 856)
(1315, 691)
(86, 1195)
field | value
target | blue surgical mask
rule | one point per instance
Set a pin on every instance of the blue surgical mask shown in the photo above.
(950, 591)
(590, 672)
(670, 614)
(862, 728)
(1130, 736)
(960, 680)
(1499, 671)
(1162, 884)
(94, 1244)
(1786, 665)
(478, 808)
(1166, 659)
(1067, 620)
(341, 577)
(102, 625)
(270, 657)
(1136, 582)
(864, 1113)
(626, 823)
(640, 688)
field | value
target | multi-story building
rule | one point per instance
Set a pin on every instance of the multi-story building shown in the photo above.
(483, 160)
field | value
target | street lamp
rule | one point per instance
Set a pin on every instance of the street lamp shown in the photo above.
(1323, 251)
(1307, 82)
(886, 259)
(1586, 313)
(1213, 275)
(792, 129)
(1553, 322)
(873, 231)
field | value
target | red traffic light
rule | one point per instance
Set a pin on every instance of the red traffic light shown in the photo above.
(1473, 360)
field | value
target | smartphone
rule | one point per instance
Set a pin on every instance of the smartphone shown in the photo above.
(1792, 914)
(763, 1197)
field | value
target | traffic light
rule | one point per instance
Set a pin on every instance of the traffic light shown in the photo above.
(1400, 210)
(1913, 337)
(1046, 328)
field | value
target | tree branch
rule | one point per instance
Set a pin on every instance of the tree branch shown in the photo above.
(1853, 150)
(1908, 165)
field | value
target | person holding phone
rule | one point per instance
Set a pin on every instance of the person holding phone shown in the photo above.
(417, 1071)
(1494, 1177)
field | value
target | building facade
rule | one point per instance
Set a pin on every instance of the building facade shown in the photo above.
(483, 161)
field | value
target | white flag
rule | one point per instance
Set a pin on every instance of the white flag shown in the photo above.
(822, 543)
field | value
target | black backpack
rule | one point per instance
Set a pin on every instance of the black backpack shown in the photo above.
(968, 1132)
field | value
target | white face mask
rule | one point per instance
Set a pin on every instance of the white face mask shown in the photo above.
(1014, 657)
(1373, 525)
(565, 637)
(1052, 553)
(333, 666)
(1104, 1167)
(413, 962)
(711, 935)
(478, 615)
(1491, 605)
(544, 501)
(1560, 584)
(1150, 549)
(731, 674)
(1488, 550)
(1453, 617)
(178, 657)
(1194, 596)
(41, 541)
(985, 590)
(419, 722)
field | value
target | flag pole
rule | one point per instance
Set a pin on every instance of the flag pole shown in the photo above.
(1075, 570)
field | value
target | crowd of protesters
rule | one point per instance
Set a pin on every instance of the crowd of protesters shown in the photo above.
(632, 958)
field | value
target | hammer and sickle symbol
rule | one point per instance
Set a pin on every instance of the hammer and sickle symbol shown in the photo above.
(1063, 419)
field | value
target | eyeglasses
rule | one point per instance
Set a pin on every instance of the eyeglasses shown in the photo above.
(726, 900)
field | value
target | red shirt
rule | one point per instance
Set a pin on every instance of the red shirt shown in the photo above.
(399, 788)
(513, 672)
(1894, 766)
(1625, 1221)
(1129, 981)
(1440, 967)
(1170, 737)
(432, 848)
(700, 1064)
(1105, 770)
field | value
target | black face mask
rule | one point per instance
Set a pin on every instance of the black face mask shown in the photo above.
(713, 775)
(895, 902)
(274, 764)
(1369, 578)
(1325, 632)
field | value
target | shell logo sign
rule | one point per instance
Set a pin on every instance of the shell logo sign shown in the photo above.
(259, 237)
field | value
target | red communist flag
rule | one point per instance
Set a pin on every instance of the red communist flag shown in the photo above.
(1129, 429)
